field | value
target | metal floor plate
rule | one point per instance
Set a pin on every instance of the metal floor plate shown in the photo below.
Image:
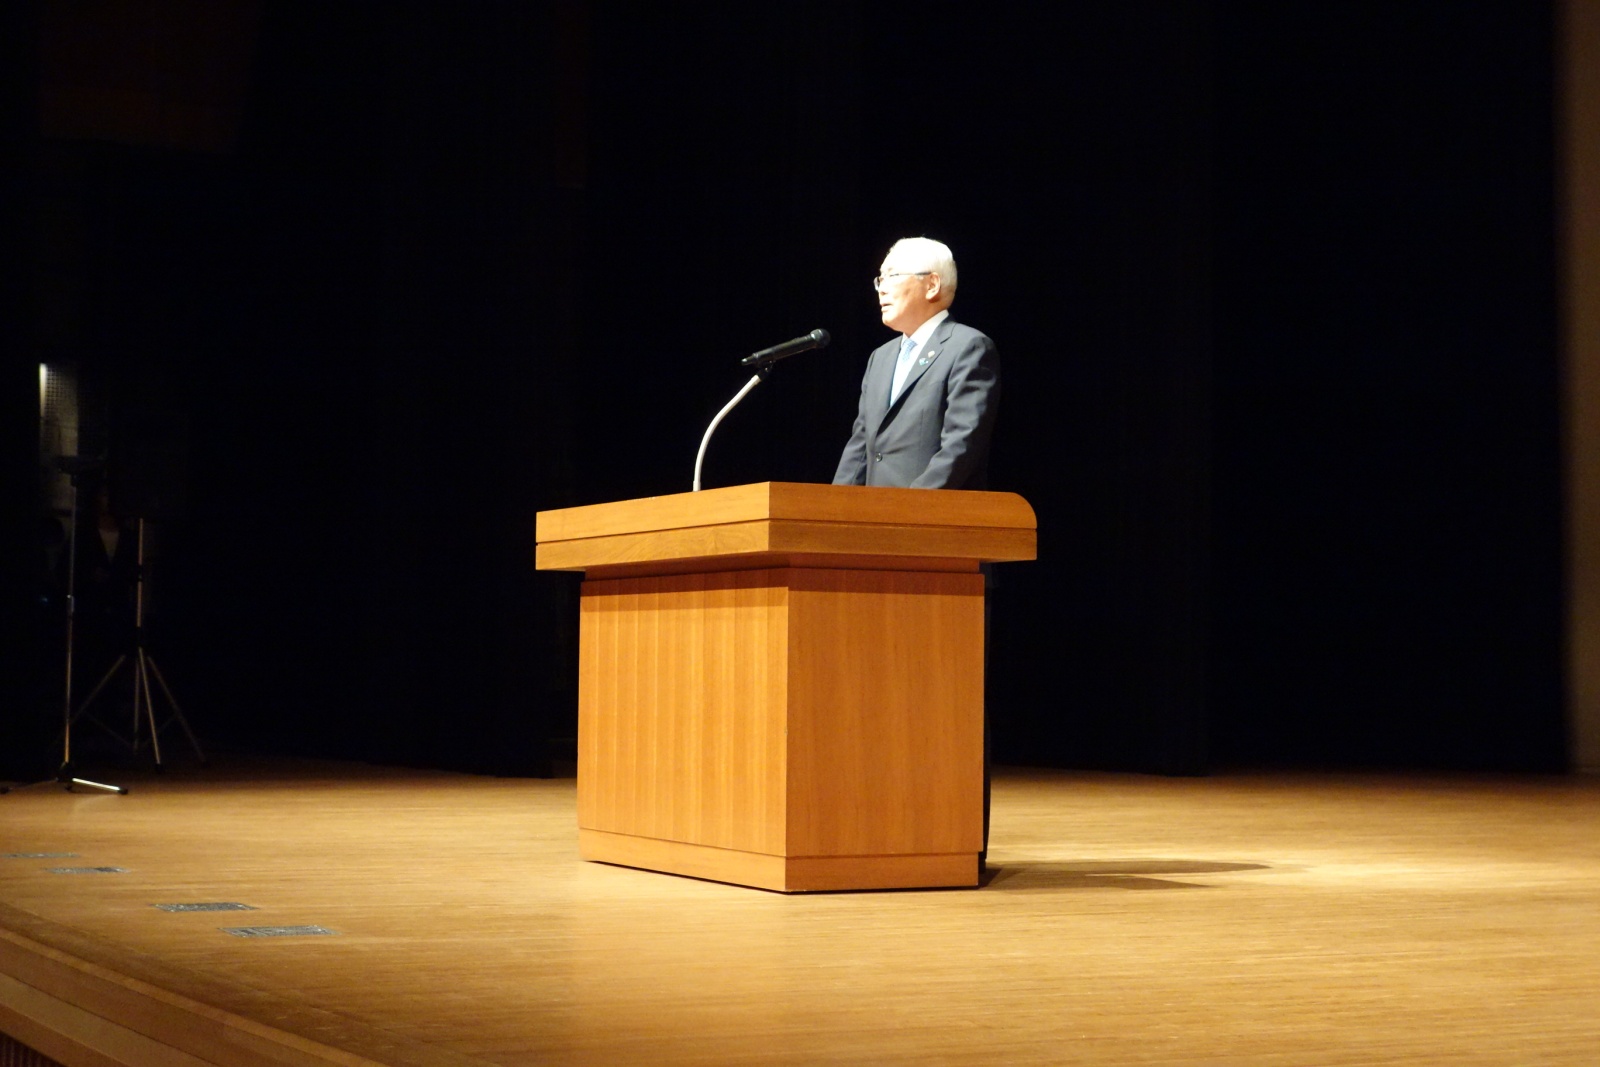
(278, 931)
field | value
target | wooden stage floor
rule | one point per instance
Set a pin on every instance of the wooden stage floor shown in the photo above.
(1289, 920)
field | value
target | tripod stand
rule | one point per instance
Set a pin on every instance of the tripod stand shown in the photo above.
(74, 467)
(144, 668)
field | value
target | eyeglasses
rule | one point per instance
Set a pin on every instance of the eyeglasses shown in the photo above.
(877, 283)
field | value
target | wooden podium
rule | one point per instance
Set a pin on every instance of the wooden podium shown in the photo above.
(781, 685)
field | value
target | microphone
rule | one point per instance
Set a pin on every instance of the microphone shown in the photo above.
(814, 339)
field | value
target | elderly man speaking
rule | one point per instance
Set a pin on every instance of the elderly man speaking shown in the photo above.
(928, 399)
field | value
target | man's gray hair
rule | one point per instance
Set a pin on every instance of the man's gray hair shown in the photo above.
(924, 253)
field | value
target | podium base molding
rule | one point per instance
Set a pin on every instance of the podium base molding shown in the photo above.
(784, 874)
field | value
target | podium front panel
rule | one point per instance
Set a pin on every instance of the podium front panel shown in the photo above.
(681, 697)
(825, 725)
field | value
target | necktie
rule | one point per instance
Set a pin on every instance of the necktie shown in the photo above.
(902, 367)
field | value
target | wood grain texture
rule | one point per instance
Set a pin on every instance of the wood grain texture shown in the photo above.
(783, 517)
(681, 709)
(885, 713)
(762, 870)
(1253, 921)
(773, 560)
(813, 711)
(997, 545)
(852, 504)
(784, 874)
(789, 712)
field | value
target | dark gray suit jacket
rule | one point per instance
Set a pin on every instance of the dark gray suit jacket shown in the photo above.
(936, 435)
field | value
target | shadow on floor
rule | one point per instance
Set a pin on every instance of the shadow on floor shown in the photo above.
(1107, 874)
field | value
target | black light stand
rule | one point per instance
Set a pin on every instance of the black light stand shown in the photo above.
(74, 467)
(144, 668)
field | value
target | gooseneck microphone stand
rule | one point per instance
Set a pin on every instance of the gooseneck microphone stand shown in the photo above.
(762, 370)
(762, 361)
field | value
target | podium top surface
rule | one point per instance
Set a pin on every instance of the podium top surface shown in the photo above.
(788, 519)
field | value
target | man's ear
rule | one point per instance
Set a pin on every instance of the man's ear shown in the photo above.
(935, 287)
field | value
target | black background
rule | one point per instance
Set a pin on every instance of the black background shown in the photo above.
(1273, 286)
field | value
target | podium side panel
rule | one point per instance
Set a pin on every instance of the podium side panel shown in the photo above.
(680, 709)
(885, 713)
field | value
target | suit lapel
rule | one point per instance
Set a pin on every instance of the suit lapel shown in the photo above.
(926, 357)
(881, 369)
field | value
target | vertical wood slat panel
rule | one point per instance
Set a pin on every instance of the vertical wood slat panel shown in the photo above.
(886, 713)
(627, 623)
(590, 671)
(686, 663)
(681, 715)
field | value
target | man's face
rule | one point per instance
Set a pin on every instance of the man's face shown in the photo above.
(907, 296)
